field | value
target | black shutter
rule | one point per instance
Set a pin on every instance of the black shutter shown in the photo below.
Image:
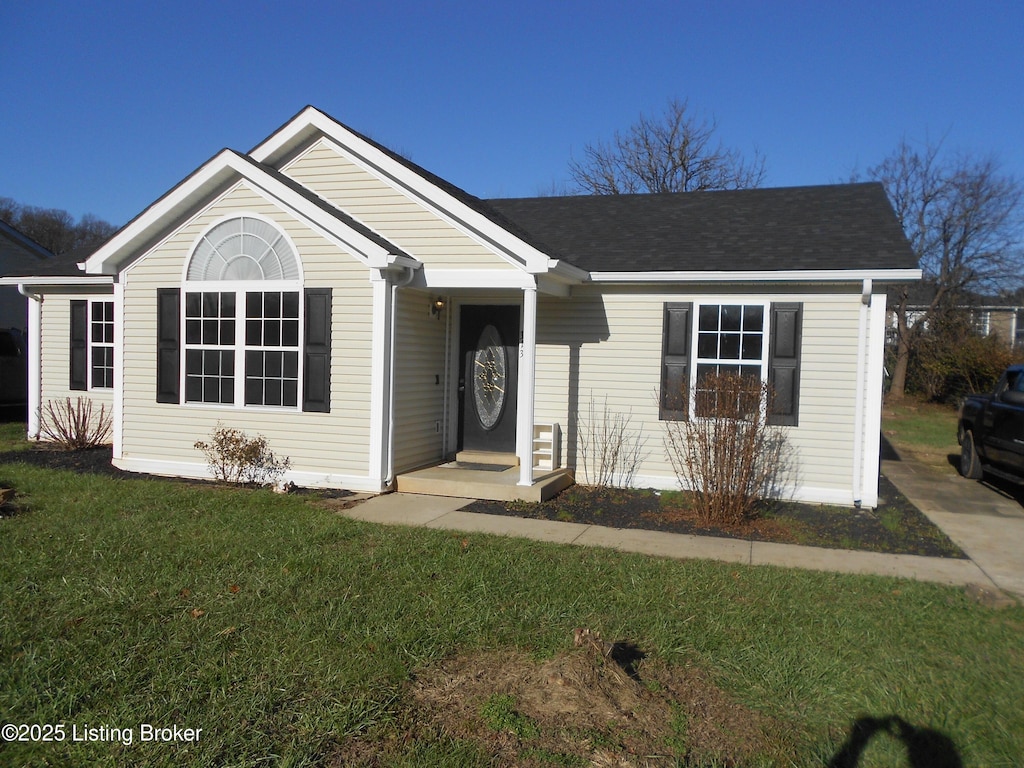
(168, 356)
(79, 344)
(316, 387)
(784, 364)
(675, 362)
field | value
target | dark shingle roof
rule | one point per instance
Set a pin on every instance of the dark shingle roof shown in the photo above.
(848, 226)
(62, 265)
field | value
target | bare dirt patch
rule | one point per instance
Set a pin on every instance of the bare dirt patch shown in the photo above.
(595, 705)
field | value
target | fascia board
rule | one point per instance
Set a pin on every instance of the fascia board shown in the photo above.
(217, 172)
(565, 271)
(137, 232)
(430, 277)
(69, 280)
(424, 191)
(296, 131)
(442, 204)
(761, 276)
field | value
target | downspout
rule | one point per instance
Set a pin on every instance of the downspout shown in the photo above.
(858, 415)
(409, 273)
(35, 373)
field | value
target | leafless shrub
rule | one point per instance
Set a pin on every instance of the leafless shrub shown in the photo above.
(726, 452)
(75, 425)
(234, 457)
(610, 449)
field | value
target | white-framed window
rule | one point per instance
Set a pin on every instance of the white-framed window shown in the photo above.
(748, 336)
(242, 317)
(272, 348)
(101, 345)
(981, 321)
(242, 347)
(210, 347)
(731, 339)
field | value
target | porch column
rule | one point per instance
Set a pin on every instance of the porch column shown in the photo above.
(35, 375)
(527, 375)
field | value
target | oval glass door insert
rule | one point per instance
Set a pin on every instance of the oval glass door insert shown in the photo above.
(490, 377)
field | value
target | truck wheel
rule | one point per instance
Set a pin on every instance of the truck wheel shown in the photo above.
(970, 464)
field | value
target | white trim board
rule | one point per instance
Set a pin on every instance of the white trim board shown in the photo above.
(197, 471)
(761, 276)
(311, 121)
(223, 171)
(809, 494)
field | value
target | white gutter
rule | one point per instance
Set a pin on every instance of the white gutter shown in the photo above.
(35, 371)
(860, 394)
(760, 276)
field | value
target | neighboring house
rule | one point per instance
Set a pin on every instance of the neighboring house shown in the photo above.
(369, 318)
(988, 315)
(998, 320)
(18, 254)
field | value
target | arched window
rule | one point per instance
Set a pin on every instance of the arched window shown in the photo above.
(243, 248)
(243, 317)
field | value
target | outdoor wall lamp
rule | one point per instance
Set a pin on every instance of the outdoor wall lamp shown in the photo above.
(436, 306)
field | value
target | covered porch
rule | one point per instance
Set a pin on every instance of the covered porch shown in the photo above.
(491, 477)
(460, 411)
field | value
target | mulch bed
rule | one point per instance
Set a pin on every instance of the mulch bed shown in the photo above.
(895, 526)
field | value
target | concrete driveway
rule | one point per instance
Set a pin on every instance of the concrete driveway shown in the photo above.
(986, 520)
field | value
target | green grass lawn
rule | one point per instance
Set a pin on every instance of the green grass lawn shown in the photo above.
(925, 431)
(283, 630)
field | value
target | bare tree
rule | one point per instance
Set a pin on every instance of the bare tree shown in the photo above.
(92, 232)
(673, 152)
(55, 229)
(961, 215)
(50, 227)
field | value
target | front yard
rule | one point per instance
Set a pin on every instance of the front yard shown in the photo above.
(924, 431)
(293, 636)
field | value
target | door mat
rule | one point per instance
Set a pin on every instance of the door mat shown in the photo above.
(477, 466)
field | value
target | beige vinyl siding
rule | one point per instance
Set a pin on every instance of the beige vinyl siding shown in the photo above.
(55, 350)
(403, 221)
(335, 442)
(613, 341)
(419, 381)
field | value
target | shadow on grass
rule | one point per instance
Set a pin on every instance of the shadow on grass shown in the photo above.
(926, 748)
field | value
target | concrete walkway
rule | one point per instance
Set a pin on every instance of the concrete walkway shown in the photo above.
(987, 526)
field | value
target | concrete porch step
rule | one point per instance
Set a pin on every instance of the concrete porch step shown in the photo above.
(487, 457)
(453, 480)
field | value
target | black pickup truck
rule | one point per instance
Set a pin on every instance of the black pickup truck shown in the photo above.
(990, 430)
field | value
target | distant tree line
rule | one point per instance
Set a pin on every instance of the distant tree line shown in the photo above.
(55, 229)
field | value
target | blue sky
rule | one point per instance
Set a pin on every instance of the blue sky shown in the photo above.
(106, 105)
